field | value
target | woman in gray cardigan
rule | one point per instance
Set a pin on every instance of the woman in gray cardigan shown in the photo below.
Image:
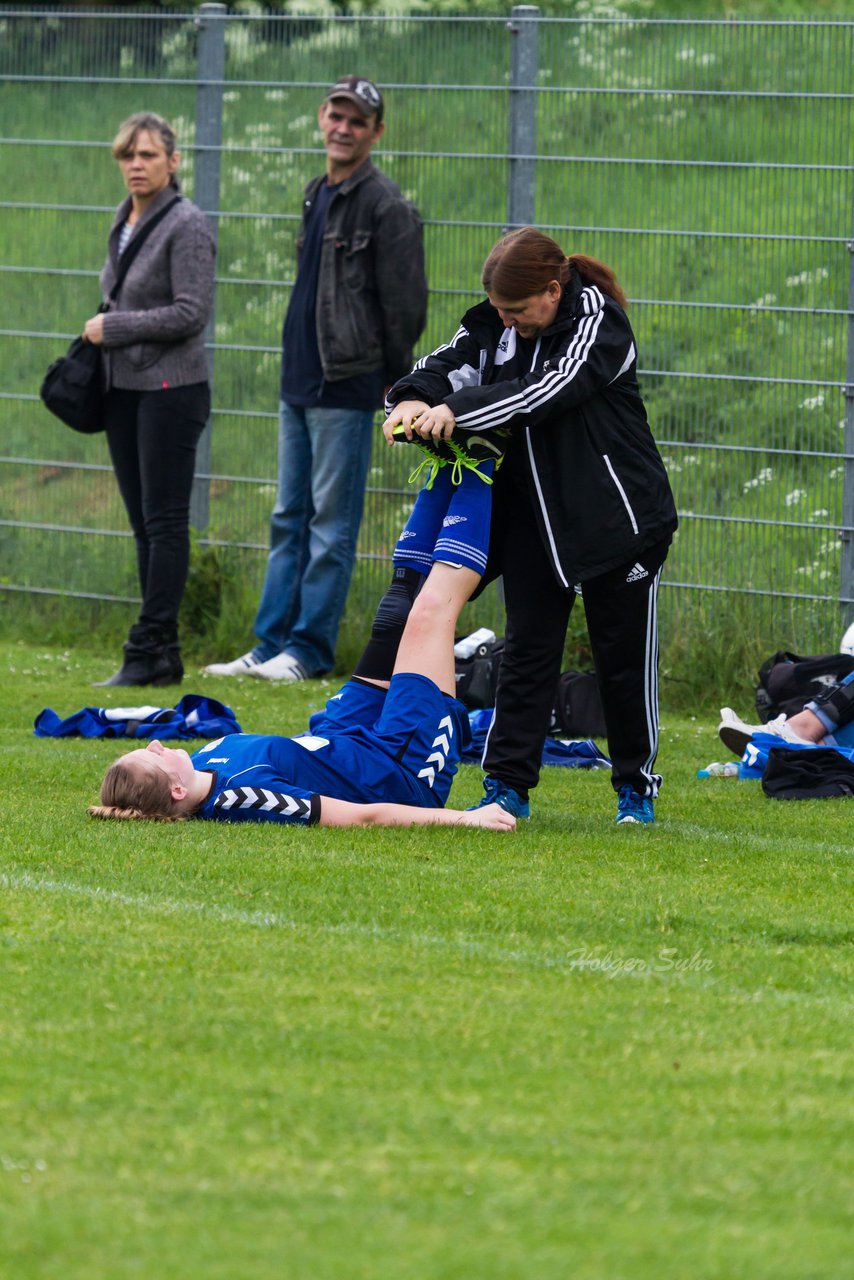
(158, 397)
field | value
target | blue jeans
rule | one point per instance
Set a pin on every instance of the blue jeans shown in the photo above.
(324, 455)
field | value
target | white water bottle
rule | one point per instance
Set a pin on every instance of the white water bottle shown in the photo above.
(469, 645)
(717, 769)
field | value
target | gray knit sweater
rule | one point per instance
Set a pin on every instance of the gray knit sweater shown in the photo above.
(154, 331)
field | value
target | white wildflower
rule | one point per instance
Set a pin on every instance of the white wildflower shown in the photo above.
(808, 277)
(763, 478)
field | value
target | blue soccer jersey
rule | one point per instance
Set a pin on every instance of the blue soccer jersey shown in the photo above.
(401, 747)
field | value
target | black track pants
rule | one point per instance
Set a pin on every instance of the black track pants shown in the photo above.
(152, 437)
(622, 621)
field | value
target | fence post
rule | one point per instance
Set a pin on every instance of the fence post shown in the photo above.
(846, 570)
(210, 70)
(522, 124)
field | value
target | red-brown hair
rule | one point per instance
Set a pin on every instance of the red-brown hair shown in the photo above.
(524, 261)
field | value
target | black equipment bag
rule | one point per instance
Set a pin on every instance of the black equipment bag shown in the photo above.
(787, 682)
(73, 387)
(477, 676)
(578, 706)
(817, 773)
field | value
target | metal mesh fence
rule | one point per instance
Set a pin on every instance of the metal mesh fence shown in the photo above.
(708, 162)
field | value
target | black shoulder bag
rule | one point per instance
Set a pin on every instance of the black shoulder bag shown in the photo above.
(73, 387)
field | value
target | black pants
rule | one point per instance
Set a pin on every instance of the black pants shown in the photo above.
(622, 624)
(152, 437)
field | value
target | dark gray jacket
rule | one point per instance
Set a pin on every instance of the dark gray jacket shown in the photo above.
(372, 287)
(154, 331)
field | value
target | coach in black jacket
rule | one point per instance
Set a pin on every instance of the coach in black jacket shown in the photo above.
(581, 498)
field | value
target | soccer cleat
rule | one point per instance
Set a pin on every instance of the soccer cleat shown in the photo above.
(633, 808)
(509, 800)
(735, 734)
(481, 446)
(467, 449)
(283, 667)
(239, 667)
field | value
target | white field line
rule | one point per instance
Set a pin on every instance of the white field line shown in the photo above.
(151, 905)
(576, 956)
(570, 960)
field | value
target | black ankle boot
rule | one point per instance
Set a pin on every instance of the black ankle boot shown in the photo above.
(152, 657)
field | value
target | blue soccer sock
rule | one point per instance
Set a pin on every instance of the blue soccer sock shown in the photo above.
(416, 542)
(464, 536)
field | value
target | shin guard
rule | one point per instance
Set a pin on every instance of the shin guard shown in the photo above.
(377, 660)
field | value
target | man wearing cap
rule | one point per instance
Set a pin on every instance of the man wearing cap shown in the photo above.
(357, 308)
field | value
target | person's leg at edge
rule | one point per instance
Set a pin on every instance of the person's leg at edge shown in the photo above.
(412, 560)
(289, 531)
(427, 644)
(449, 522)
(122, 431)
(829, 717)
(170, 425)
(341, 442)
(152, 438)
(538, 611)
(426, 648)
(622, 621)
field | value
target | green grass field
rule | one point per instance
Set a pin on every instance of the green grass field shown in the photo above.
(232, 1052)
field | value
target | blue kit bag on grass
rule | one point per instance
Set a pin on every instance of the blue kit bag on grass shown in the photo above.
(579, 754)
(193, 717)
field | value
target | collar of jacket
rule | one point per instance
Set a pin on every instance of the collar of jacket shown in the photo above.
(355, 179)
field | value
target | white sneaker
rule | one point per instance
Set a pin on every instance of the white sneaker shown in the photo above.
(239, 667)
(283, 667)
(735, 734)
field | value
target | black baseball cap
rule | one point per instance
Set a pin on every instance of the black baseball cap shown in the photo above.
(364, 93)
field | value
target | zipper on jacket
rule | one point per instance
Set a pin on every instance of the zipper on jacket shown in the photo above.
(536, 478)
(622, 493)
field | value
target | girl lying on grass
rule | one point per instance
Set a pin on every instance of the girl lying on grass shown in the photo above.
(385, 749)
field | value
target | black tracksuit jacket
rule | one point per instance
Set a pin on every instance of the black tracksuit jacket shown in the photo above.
(599, 486)
(583, 497)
